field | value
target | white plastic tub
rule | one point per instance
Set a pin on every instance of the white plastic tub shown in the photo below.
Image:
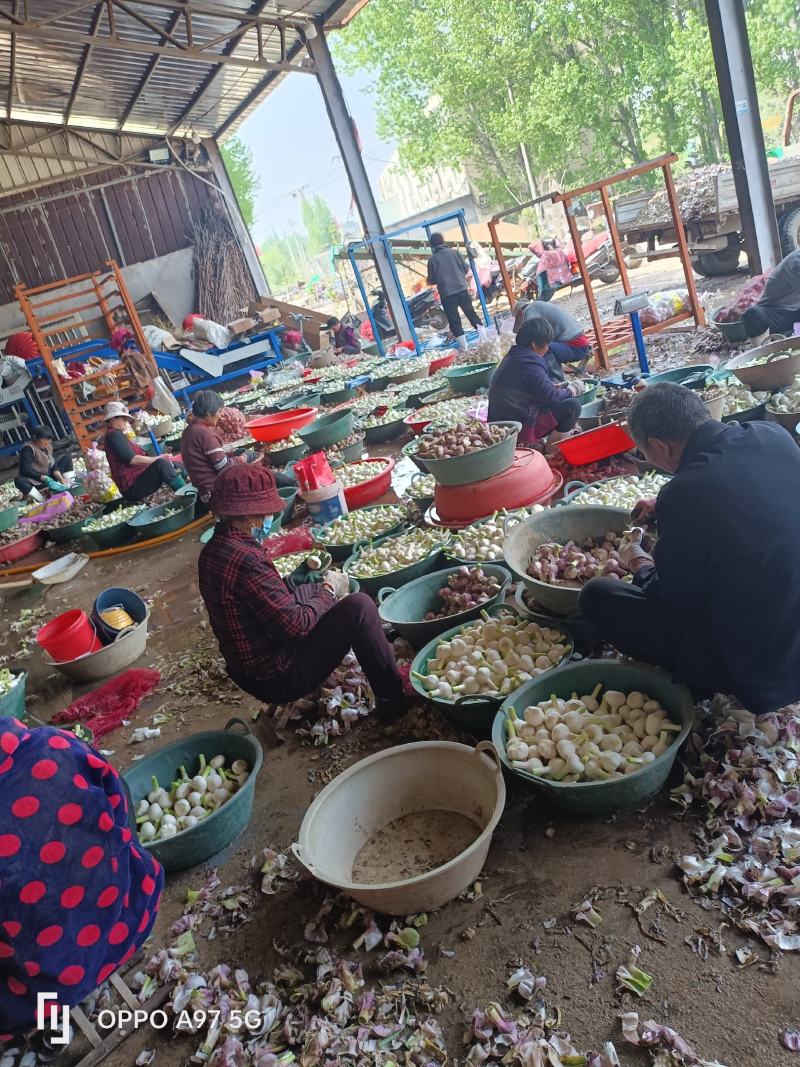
(421, 777)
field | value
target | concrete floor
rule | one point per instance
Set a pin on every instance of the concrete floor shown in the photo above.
(542, 862)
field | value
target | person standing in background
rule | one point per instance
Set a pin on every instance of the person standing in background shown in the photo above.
(447, 270)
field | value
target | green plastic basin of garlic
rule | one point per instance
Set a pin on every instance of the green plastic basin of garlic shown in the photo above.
(284, 565)
(361, 524)
(590, 738)
(113, 518)
(392, 415)
(787, 401)
(492, 657)
(165, 813)
(292, 441)
(396, 553)
(623, 492)
(738, 397)
(483, 541)
(423, 485)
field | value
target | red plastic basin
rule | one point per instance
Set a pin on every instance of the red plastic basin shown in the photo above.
(529, 480)
(276, 427)
(596, 444)
(22, 548)
(417, 424)
(358, 496)
(441, 362)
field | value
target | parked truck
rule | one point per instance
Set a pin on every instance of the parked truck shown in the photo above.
(710, 210)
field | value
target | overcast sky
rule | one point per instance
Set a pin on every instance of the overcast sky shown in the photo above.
(294, 147)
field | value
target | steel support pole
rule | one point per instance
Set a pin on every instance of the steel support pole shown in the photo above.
(345, 132)
(737, 90)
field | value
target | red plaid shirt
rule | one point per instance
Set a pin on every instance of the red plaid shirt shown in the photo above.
(258, 620)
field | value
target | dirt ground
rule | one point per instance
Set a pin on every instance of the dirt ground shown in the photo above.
(541, 864)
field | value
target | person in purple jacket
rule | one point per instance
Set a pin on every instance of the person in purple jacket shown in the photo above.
(344, 337)
(521, 388)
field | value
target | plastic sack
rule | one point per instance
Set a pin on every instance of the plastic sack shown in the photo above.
(216, 335)
(664, 305)
(96, 460)
(49, 510)
(232, 425)
(486, 333)
(750, 293)
(159, 339)
(100, 486)
(163, 400)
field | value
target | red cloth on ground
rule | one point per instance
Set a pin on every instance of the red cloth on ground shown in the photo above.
(104, 709)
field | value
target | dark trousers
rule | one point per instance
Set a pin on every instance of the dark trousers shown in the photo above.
(644, 628)
(162, 472)
(352, 623)
(565, 353)
(761, 317)
(62, 465)
(566, 413)
(452, 304)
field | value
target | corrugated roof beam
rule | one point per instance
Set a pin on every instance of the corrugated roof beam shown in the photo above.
(151, 66)
(76, 85)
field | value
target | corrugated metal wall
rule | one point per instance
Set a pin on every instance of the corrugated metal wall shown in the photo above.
(74, 226)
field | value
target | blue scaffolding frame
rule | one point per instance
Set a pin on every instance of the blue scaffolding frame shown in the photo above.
(385, 240)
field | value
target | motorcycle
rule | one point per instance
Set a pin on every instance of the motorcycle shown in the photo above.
(601, 263)
(424, 307)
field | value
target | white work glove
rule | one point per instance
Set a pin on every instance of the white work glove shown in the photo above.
(631, 547)
(338, 583)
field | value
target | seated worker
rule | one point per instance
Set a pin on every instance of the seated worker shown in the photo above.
(569, 345)
(717, 604)
(779, 307)
(278, 643)
(136, 475)
(203, 452)
(521, 388)
(78, 895)
(38, 467)
(344, 338)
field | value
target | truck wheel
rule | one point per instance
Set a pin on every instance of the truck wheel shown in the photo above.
(712, 264)
(789, 231)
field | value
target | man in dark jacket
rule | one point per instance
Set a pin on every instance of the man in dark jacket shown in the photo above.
(447, 270)
(779, 307)
(718, 603)
(521, 388)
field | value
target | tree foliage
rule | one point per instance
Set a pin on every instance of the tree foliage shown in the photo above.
(588, 87)
(238, 159)
(322, 230)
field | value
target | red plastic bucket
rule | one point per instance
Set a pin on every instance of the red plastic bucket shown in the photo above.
(68, 636)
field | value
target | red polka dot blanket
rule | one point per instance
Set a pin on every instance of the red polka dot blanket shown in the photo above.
(78, 893)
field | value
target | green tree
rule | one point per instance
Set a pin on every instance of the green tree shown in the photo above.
(238, 159)
(588, 87)
(279, 258)
(321, 227)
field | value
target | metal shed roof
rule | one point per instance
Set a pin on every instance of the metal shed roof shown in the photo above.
(153, 67)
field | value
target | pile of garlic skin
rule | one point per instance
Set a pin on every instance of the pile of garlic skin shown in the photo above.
(589, 739)
(492, 657)
(787, 401)
(164, 813)
(739, 397)
(483, 541)
(623, 492)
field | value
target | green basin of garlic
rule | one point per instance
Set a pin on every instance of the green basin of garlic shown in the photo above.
(359, 525)
(589, 738)
(623, 492)
(396, 553)
(113, 518)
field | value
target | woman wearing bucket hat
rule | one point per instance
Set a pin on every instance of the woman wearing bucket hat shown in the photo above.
(280, 644)
(137, 475)
(78, 895)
